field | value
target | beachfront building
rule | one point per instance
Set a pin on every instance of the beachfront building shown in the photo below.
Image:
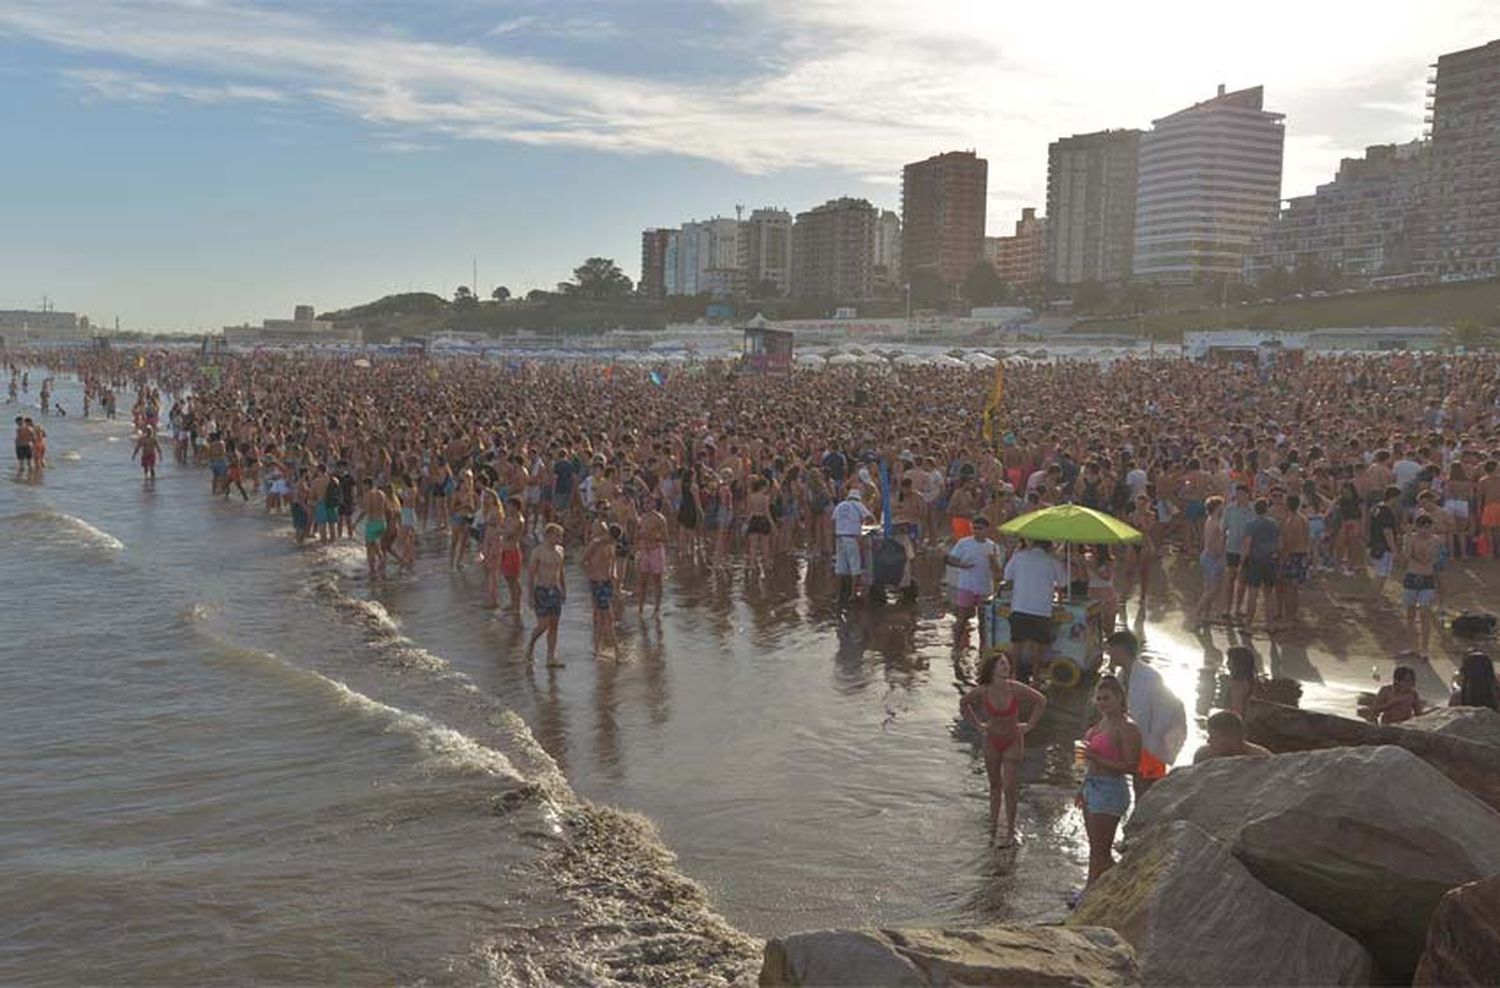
(1091, 184)
(765, 252)
(942, 215)
(1359, 226)
(303, 328)
(888, 250)
(41, 325)
(1020, 259)
(653, 281)
(1460, 235)
(703, 257)
(833, 251)
(1208, 186)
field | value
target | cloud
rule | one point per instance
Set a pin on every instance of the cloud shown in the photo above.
(128, 87)
(857, 87)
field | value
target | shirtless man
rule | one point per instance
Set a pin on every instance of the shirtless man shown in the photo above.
(1296, 542)
(148, 449)
(1489, 505)
(325, 513)
(512, 529)
(599, 566)
(218, 463)
(25, 443)
(651, 555)
(549, 588)
(1419, 585)
(374, 510)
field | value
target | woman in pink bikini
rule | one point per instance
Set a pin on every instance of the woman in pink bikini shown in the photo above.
(994, 708)
(1111, 749)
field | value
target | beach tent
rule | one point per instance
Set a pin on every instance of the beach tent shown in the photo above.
(912, 360)
(978, 359)
(842, 360)
(943, 360)
(809, 360)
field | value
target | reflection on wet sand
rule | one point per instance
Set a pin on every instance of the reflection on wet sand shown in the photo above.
(795, 751)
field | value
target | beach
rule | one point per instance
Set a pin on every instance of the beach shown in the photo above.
(240, 760)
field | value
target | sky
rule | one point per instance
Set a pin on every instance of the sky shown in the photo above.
(187, 164)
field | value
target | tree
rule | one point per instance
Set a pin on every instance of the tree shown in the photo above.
(463, 297)
(500, 294)
(600, 278)
(1089, 296)
(1471, 334)
(1140, 297)
(1277, 283)
(983, 286)
(927, 288)
(538, 295)
(1309, 274)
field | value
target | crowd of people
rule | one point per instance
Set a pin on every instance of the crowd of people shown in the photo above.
(1265, 476)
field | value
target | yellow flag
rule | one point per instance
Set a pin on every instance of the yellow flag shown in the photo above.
(140, 361)
(992, 403)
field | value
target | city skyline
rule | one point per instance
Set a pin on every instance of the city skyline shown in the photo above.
(193, 163)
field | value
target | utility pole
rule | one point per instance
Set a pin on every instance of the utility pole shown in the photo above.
(474, 286)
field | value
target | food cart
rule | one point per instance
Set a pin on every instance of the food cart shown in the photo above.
(1077, 636)
(1078, 630)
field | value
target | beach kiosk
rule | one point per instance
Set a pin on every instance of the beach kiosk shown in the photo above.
(767, 351)
(1078, 629)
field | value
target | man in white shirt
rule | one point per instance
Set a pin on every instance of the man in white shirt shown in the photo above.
(1034, 574)
(1155, 709)
(849, 517)
(977, 561)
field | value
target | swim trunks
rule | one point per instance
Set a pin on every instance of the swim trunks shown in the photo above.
(510, 562)
(547, 601)
(374, 529)
(653, 561)
(603, 592)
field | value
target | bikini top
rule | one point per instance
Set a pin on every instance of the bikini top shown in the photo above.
(1102, 743)
(1010, 708)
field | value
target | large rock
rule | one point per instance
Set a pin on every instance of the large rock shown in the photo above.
(1470, 765)
(1196, 916)
(1470, 723)
(1369, 839)
(1463, 943)
(991, 956)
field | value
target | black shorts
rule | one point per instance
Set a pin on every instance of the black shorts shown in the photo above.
(23, 451)
(1232, 560)
(1030, 628)
(759, 525)
(1260, 572)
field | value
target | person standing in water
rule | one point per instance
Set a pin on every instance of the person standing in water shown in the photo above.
(994, 708)
(148, 449)
(549, 588)
(599, 567)
(1111, 749)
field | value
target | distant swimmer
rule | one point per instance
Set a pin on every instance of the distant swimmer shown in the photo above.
(147, 448)
(549, 588)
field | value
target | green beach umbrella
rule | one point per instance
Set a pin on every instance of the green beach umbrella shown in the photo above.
(1071, 523)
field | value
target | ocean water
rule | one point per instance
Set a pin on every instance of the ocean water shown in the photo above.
(227, 760)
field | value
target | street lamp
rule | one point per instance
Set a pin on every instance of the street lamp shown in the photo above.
(908, 312)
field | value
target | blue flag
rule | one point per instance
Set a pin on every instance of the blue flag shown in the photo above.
(656, 378)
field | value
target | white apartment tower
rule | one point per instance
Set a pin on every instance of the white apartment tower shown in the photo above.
(1208, 186)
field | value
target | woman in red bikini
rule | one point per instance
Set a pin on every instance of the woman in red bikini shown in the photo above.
(994, 708)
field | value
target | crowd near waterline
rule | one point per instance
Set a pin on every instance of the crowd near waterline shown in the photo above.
(1263, 479)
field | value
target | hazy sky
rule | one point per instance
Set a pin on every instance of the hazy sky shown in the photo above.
(183, 164)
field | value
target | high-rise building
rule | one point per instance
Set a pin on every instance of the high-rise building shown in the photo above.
(1020, 259)
(704, 258)
(1209, 184)
(1360, 225)
(833, 251)
(653, 283)
(1460, 210)
(766, 252)
(1091, 182)
(888, 248)
(942, 215)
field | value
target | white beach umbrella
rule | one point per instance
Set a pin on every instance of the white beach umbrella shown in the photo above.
(842, 360)
(978, 359)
